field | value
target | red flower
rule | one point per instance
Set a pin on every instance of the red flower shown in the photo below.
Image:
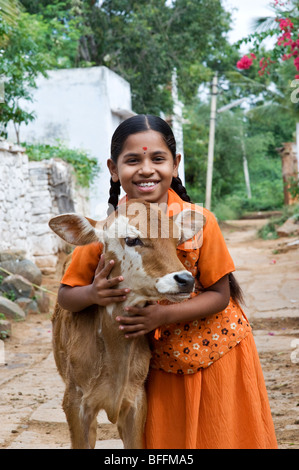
(284, 24)
(244, 63)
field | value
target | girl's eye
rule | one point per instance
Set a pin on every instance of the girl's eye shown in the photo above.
(133, 241)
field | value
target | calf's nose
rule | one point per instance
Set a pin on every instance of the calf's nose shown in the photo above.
(185, 281)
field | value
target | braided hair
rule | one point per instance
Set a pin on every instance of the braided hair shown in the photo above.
(133, 125)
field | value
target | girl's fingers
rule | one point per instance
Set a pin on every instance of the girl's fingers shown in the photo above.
(100, 265)
(132, 328)
(110, 300)
(113, 281)
(106, 270)
(113, 293)
(136, 320)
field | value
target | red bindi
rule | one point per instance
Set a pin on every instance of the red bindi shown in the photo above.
(144, 148)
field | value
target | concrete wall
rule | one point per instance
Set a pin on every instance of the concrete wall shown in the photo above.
(82, 108)
(31, 193)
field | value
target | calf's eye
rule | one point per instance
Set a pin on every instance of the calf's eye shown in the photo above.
(133, 241)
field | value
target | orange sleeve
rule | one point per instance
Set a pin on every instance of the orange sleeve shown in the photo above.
(214, 258)
(81, 269)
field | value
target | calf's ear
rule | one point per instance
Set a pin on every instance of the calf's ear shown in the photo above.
(190, 222)
(76, 229)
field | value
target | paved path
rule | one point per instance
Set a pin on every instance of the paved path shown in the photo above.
(31, 390)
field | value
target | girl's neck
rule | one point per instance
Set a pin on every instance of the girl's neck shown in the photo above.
(163, 201)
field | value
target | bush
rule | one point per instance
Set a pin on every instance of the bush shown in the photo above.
(84, 165)
(269, 231)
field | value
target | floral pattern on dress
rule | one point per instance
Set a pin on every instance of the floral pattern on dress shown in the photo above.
(187, 347)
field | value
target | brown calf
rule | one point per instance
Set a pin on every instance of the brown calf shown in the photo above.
(101, 368)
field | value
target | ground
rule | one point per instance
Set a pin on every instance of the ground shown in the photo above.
(268, 270)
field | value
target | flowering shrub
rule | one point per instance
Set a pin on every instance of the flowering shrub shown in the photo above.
(287, 44)
(246, 62)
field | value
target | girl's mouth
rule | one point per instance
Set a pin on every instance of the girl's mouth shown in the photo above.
(147, 186)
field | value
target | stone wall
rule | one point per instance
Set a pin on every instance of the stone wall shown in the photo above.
(30, 194)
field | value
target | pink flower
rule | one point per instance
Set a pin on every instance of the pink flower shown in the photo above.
(244, 63)
(284, 24)
(253, 55)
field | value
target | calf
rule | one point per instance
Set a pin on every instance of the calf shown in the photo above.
(101, 368)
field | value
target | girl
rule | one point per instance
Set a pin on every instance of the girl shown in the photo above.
(205, 386)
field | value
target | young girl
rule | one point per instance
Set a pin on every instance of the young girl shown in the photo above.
(205, 387)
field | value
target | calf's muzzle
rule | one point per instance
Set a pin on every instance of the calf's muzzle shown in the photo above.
(185, 282)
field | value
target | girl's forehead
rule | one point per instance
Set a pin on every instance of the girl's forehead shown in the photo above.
(150, 139)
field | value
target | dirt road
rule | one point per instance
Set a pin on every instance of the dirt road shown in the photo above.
(31, 390)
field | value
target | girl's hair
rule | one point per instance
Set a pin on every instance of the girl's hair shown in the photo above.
(133, 125)
(141, 123)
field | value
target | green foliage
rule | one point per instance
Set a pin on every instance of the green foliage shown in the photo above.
(84, 165)
(262, 134)
(22, 59)
(143, 41)
(269, 230)
(10, 295)
(31, 45)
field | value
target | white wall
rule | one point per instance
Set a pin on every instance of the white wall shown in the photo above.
(82, 108)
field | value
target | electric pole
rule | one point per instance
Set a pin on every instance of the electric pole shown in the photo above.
(211, 142)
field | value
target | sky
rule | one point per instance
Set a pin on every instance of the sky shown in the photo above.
(247, 10)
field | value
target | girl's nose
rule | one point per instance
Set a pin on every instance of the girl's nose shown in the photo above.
(146, 169)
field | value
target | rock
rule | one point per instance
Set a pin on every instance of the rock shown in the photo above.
(43, 301)
(23, 267)
(28, 305)
(18, 285)
(5, 329)
(288, 228)
(30, 271)
(10, 255)
(11, 309)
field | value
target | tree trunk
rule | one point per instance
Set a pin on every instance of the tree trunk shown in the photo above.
(289, 171)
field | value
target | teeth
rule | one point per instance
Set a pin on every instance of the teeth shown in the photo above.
(146, 184)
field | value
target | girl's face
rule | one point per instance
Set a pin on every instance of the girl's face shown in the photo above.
(145, 167)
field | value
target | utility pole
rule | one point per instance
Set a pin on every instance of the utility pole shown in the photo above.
(213, 115)
(245, 166)
(211, 142)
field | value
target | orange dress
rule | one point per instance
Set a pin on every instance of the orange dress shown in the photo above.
(205, 387)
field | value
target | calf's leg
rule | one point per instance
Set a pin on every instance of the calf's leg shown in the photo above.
(72, 407)
(131, 421)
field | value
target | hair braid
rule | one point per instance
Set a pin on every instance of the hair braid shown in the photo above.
(178, 187)
(114, 195)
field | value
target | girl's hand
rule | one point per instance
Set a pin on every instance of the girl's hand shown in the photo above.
(141, 320)
(103, 289)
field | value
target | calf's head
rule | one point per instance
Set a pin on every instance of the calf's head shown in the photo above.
(142, 240)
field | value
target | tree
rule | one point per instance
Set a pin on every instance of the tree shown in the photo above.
(30, 47)
(144, 40)
(281, 63)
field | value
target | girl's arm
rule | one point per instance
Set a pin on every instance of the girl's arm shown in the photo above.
(144, 320)
(99, 292)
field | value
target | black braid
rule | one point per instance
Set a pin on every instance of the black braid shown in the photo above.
(114, 195)
(178, 187)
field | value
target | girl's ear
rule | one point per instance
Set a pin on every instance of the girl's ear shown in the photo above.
(113, 170)
(176, 163)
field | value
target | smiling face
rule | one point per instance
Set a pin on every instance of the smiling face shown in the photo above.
(145, 167)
